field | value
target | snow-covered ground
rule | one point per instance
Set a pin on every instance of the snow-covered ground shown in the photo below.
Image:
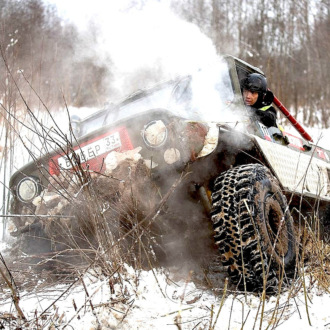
(149, 300)
(155, 300)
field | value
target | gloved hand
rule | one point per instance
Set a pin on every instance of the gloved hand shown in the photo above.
(268, 118)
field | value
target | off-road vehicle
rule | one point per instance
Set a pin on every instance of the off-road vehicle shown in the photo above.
(252, 180)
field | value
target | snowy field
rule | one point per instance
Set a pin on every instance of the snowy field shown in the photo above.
(157, 301)
(148, 300)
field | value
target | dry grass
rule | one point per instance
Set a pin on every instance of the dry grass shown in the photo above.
(317, 262)
(119, 219)
(107, 237)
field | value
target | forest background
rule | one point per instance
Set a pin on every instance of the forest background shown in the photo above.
(288, 40)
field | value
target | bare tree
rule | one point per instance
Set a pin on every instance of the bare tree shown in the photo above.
(54, 57)
(289, 40)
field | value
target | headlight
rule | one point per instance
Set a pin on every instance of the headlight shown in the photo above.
(155, 134)
(172, 155)
(27, 189)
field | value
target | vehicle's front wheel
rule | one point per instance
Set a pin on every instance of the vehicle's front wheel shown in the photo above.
(253, 226)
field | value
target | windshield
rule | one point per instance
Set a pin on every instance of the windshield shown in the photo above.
(211, 93)
(202, 96)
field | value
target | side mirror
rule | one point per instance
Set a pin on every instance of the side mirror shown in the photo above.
(75, 124)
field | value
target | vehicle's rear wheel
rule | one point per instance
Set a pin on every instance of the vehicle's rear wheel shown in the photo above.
(253, 226)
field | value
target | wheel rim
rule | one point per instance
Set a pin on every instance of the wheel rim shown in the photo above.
(276, 226)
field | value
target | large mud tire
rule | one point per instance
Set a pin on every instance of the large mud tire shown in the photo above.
(253, 227)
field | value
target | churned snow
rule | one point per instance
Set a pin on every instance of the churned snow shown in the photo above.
(156, 300)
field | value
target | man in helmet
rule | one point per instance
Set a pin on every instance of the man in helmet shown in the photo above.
(259, 99)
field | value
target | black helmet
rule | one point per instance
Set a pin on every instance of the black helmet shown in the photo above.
(255, 82)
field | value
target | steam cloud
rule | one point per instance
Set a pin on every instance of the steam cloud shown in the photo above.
(146, 43)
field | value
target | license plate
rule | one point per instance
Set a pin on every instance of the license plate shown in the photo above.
(91, 150)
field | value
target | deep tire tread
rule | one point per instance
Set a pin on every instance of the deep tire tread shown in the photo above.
(233, 190)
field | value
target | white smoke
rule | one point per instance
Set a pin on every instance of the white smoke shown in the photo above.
(146, 43)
